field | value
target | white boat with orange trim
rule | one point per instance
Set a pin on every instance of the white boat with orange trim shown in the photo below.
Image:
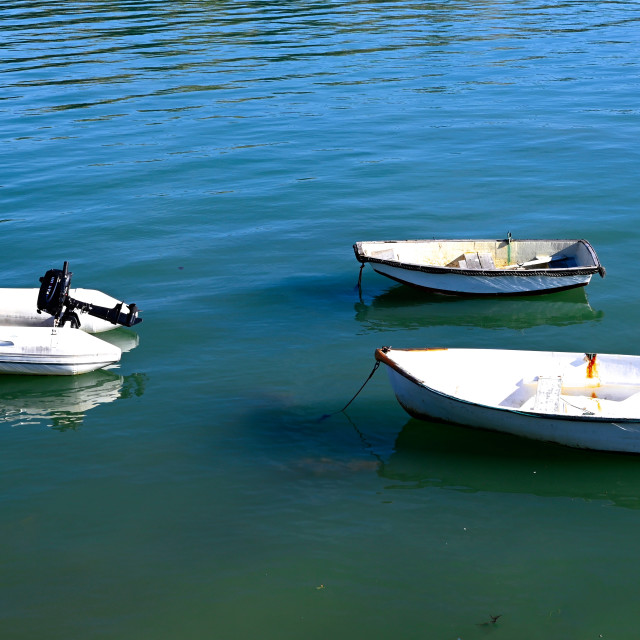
(583, 400)
(483, 267)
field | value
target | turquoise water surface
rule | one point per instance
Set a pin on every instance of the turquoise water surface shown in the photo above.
(214, 162)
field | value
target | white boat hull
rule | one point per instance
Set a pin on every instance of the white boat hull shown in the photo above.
(53, 351)
(18, 307)
(499, 390)
(482, 284)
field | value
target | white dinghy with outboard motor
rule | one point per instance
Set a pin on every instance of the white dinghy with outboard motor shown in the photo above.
(18, 307)
(583, 400)
(88, 309)
(59, 347)
(483, 267)
(53, 351)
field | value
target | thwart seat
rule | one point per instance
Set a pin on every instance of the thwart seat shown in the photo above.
(477, 261)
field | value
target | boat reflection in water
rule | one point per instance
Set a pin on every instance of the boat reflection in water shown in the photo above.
(402, 308)
(124, 339)
(431, 454)
(62, 402)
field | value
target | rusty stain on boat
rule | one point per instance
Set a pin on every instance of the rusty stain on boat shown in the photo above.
(592, 372)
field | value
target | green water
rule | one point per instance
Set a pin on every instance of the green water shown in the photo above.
(214, 162)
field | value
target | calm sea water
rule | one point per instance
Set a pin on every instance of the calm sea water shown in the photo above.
(214, 162)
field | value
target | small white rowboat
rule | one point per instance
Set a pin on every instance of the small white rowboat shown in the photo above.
(484, 267)
(53, 351)
(588, 401)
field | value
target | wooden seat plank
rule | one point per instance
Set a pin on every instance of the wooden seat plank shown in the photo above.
(486, 261)
(472, 260)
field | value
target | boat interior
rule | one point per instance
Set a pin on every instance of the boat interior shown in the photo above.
(585, 387)
(484, 254)
(550, 394)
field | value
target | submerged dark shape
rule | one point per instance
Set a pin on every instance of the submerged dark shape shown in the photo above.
(492, 621)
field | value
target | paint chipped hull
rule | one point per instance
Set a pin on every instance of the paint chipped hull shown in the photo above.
(596, 404)
(484, 267)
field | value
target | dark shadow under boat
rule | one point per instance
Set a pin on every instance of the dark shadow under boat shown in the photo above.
(401, 308)
(462, 459)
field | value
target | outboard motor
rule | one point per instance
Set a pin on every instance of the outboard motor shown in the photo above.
(54, 299)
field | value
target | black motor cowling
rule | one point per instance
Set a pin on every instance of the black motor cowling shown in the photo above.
(54, 291)
(54, 299)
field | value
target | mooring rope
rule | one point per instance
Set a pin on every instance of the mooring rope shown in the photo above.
(328, 415)
(585, 411)
(360, 279)
(367, 445)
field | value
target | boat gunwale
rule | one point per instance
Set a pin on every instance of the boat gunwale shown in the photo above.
(381, 356)
(492, 273)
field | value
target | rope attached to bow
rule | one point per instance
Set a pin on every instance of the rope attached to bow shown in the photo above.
(328, 415)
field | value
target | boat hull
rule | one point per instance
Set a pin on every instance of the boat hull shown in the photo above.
(58, 351)
(601, 433)
(505, 284)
